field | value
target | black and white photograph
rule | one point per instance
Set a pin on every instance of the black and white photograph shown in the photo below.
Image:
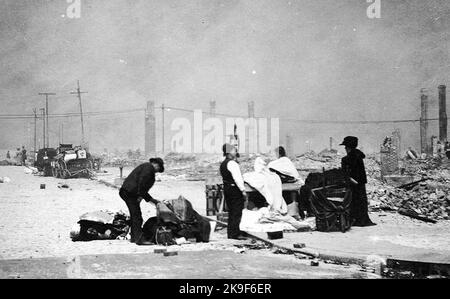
(224, 145)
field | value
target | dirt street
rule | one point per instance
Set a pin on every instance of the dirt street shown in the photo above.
(34, 238)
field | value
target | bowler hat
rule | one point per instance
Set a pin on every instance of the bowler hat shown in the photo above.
(227, 148)
(350, 141)
(158, 161)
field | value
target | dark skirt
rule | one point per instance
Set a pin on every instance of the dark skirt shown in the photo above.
(359, 207)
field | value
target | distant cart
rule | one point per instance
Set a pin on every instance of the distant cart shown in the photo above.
(72, 162)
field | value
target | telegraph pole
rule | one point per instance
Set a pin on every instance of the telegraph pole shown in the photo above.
(78, 93)
(61, 133)
(43, 129)
(35, 124)
(163, 122)
(46, 94)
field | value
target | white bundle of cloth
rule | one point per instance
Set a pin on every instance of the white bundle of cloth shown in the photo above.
(264, 220)
(285, 166)
(268, 184)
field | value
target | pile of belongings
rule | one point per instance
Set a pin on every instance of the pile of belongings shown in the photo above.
(101, 225)
(4, 163)
(263, 220)
(268, 184)
(286, 170)
(273, 216)
(176, 219)
(330, 199)
(332, 213)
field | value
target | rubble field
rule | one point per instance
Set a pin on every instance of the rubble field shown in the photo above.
(429, 198)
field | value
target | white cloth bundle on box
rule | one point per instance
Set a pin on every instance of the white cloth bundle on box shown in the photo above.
(268, 184)
(285, 166)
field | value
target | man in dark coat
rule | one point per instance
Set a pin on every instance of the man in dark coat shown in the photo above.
(134, 189)
(234, 191)
(353, 165)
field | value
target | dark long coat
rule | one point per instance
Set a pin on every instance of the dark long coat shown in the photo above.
(353, 165)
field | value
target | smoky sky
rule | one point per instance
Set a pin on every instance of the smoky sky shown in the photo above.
(304, 59)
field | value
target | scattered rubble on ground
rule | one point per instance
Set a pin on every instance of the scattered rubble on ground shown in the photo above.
(429, 198)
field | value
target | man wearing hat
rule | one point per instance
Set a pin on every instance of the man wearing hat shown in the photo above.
(353, 165)
(234, 191)
(134, 189)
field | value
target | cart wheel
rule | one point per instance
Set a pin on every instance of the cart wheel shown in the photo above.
(65, 174)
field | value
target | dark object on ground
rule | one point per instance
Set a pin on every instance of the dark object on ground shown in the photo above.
(334, 178)
(275, 235)
(42, 186)
(330, 215)
(101, 225)
(315, 263)
(176, 219)
(299, 245)
(170, 253)
(413, 214)
(160, 250)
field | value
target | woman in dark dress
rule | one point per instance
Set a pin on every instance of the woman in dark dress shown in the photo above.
(353, 165)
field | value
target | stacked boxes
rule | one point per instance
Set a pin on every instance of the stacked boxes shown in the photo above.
(214, 195)
(214, 198)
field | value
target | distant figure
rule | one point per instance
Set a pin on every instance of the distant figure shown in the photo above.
(8, 155)
(18, 156)
(440, 149)
(134, 189)
(353, 165)
(447, 149)
(24, 155)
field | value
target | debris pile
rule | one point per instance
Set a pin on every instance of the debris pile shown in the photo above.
(428, 198)
(311, 161)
